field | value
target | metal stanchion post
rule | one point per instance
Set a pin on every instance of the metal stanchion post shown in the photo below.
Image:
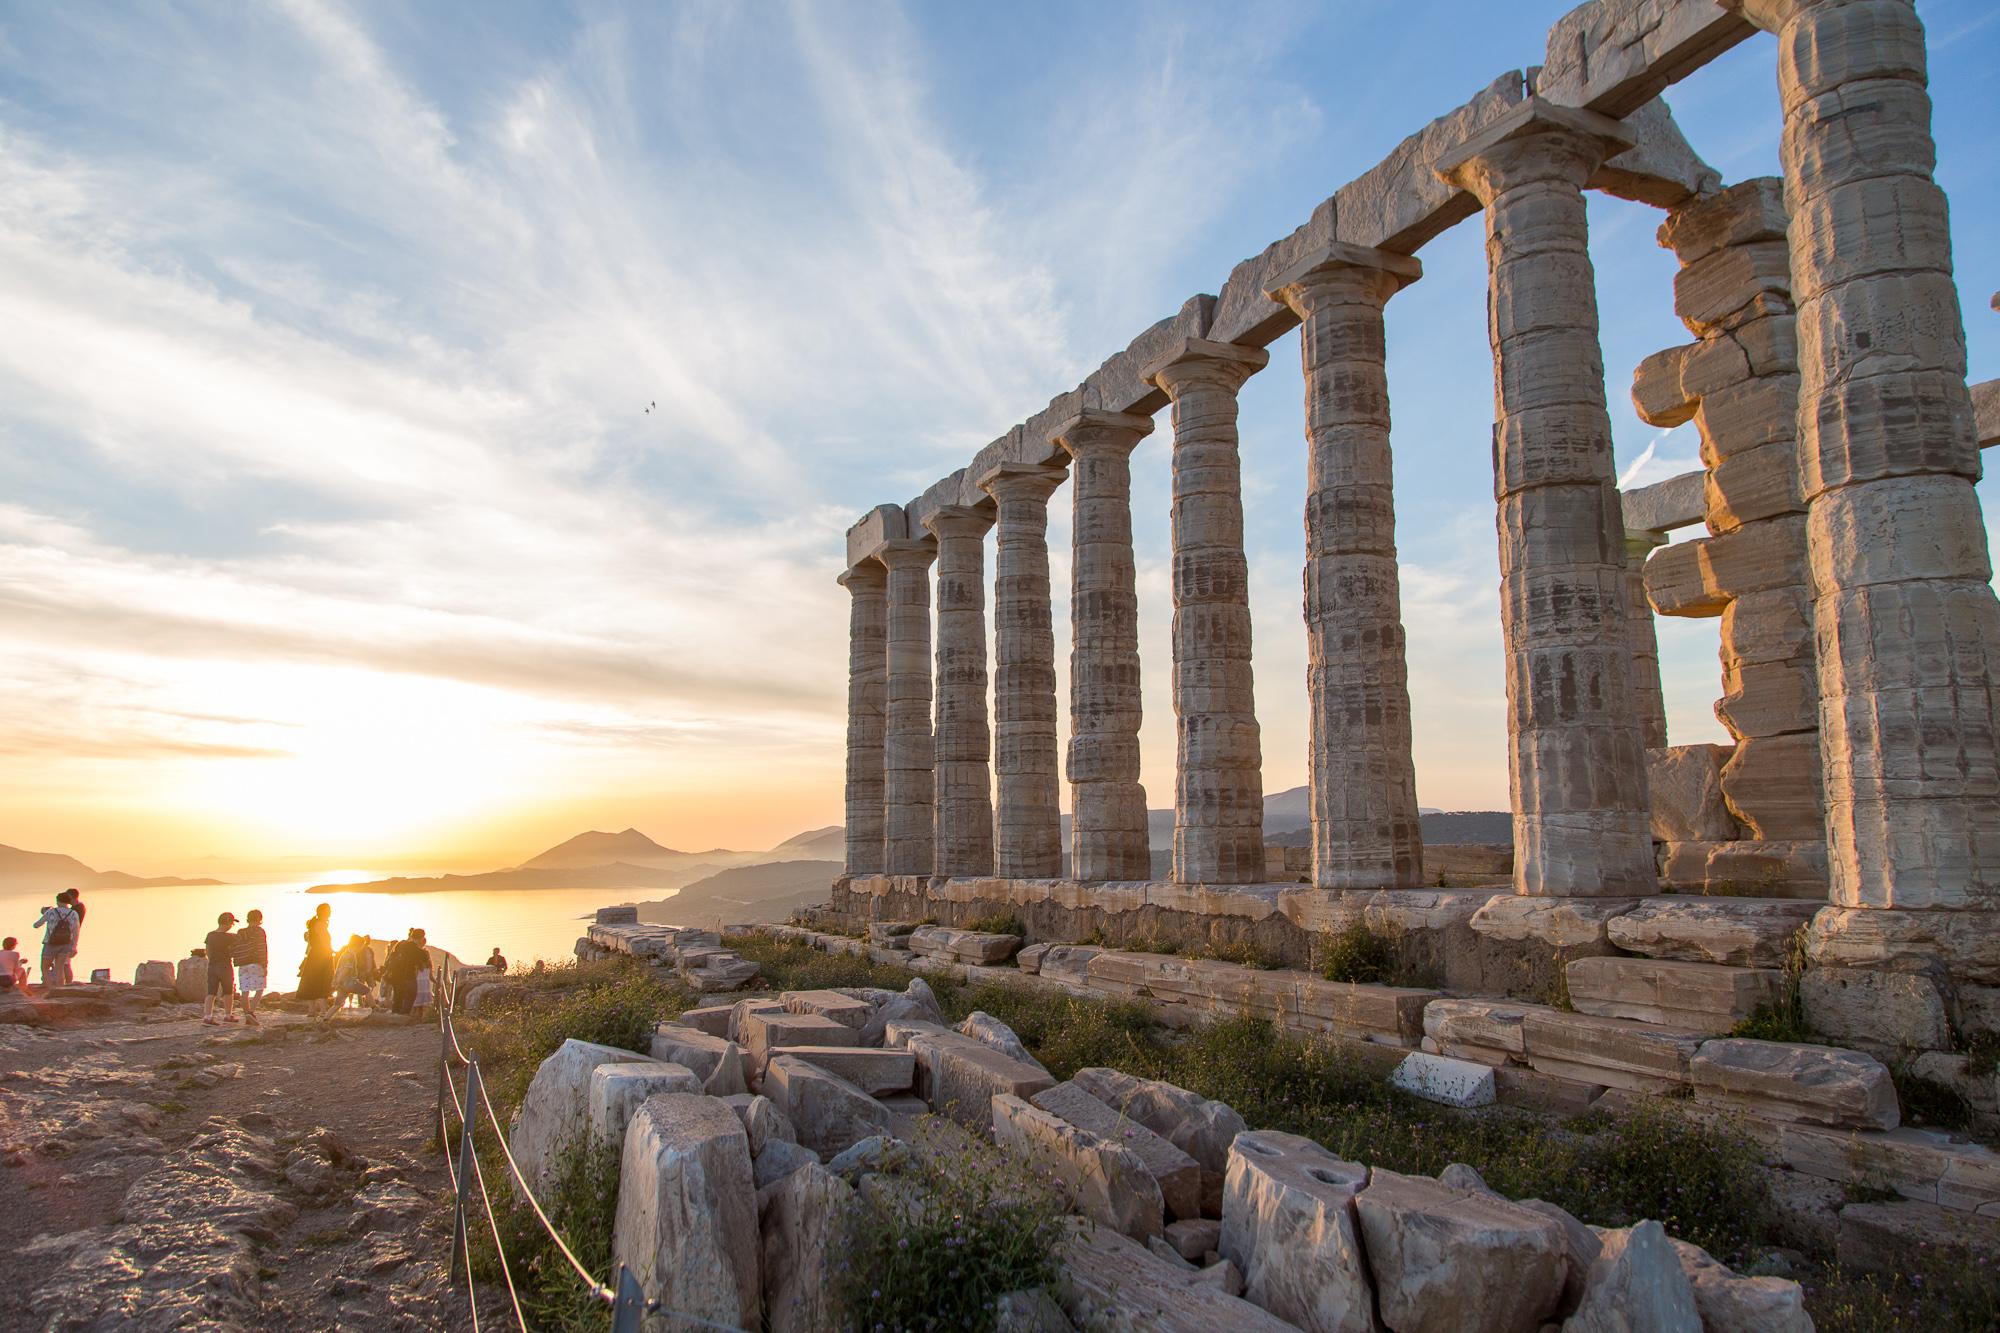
(464, 1169)
(628, 1310)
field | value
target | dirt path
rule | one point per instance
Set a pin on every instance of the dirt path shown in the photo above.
(159, 1174)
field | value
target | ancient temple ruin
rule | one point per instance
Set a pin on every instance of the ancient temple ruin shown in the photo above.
(1846, 559)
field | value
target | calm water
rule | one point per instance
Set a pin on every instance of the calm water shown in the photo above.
(126, 927)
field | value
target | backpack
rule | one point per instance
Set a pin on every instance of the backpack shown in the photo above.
(62, 932)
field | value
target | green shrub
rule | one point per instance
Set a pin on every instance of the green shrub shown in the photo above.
(790, 966)
(950, 1236)
(1243, 953)
(583, 1205)
(1357, 954)
(1956, 1293)
(1785, 1019)
(1066, 1033)
(1000, 923)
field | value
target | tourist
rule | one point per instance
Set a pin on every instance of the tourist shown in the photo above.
(75, 905)
(252, 956)
(13, 972)
(221, 955)
(423, 1003)
(316, 972)
(58, 924)
(498, 961)
(354, 973)
(405, 959)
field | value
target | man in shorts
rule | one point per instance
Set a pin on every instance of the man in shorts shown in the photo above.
(252, 955)
(221, 951)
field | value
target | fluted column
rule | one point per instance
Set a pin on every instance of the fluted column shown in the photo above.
(867, 629)
(1028, 821)
(1577, 763)
(1366, 830)
(1645, 640)
(1108, 837)
(964, 743)
(908, 761)
(1904, 616)
(1218, 779)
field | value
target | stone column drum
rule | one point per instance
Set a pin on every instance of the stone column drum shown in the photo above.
(1108, 837)
(964, 744)
(1218, 780)
(1646, 690)
(909, 788)
(1028, 821)
(867, 630)
(1366, 831)
(1904, 617)
(1577, 764)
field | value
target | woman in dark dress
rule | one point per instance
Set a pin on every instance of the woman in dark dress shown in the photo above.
(316, 972)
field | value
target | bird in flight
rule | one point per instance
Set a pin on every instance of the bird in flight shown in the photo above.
(651, 406)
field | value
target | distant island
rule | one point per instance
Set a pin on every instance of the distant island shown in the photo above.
(33, 872)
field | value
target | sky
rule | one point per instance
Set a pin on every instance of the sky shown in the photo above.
(334, 524)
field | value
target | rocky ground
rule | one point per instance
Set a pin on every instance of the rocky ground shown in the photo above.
(159, 1174)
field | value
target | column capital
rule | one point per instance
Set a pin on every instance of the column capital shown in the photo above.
(1022, 481)
(908, 553)
(1535, 141)
(1342, 272)
(958, 521)
(868, 575)
(1198, 360)
(1770, 15)
(1096, 430)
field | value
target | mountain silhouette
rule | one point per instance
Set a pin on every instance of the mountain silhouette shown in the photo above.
(25, 871)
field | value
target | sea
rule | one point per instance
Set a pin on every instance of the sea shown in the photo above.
(126, 927)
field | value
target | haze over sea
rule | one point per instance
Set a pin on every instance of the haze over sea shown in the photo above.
(126, 927)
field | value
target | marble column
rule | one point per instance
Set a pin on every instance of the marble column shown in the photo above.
(964, 742)
(909, 780)
(1646, 691)
(1218, 778)
(1108, 836)
(1577, 760)
(1366, 831)
(1028, 821)
(867, 628)
(1904, 617)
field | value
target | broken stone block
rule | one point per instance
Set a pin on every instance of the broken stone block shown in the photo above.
(1574, 926)
(959, 1077)
(829, 1114)
(1740, 932)
(762, 1121)
(742, 1009)
(802, 1218)
(875, 1072)
(1727, 1302)
(555, 1112)
(1675, 586)
(1288, 1223)
(191, 980)
(1029, 960)
(1449, 1082)
(1199, 1127)
(1069, 963)
(686, 1223)
(616, 1090)
(1492, 1025)
(765, 1032)
(1684, 784)
(1194, 1237)
(716, 1061)
(1701, 997)
(778, 1159)
(1608, 1051)
(1110, 1281)
(984, 1027)
(712, 1019)
(1895, 1011)
(1772, 785)
(1107, 1181)
(981, 948)
(1636, 1283)
(1821, 1085)
(1795, 870)
(1178, 1175)
(155, 974)
(829, 1004)
(1443, 1259)
(1907, 1235)
(1580, 1250)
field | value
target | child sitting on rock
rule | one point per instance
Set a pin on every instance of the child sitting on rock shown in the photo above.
(13, 971)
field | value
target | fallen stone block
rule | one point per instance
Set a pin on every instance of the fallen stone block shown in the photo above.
(1700, 997)
(762, 1121)
(1177, 1174)
(686, 1222)
(1445, 1260)
(716, 1061)
(1609, 1051)
(959, 1077)
(829, 1004)
(766, 1032)
(1069, 963)
(1437, 1078)
(1576, 927)
(712, 1019)
(1580, 1250)
(555, 1112)
(984, 1027)
(1110, 1281)
(1821, 1085)
(915, 1002)
(742, 1009)
(1491, 1025)
(1909, 1236)
(1878, 1011)
(1741, 932)
(1107, 1182)
(1029, 960)
(156, 974)
(779, 1158)
(1636, 1283)
(830, 1114)
(802, 1215)
(875, 1072)
(1199, 1127)
(1731, 1304)
(1192, 1238)
(1288, 1224)
(963, 946)
(616, 1091)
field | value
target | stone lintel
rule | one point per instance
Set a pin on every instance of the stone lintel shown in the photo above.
(1201, 349)
(959, 520)
(1677, 502)
(1103, 420)
(1613, 56)
(1027, 481)
(1532, 117)
(1405, 269)
(880, 524)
